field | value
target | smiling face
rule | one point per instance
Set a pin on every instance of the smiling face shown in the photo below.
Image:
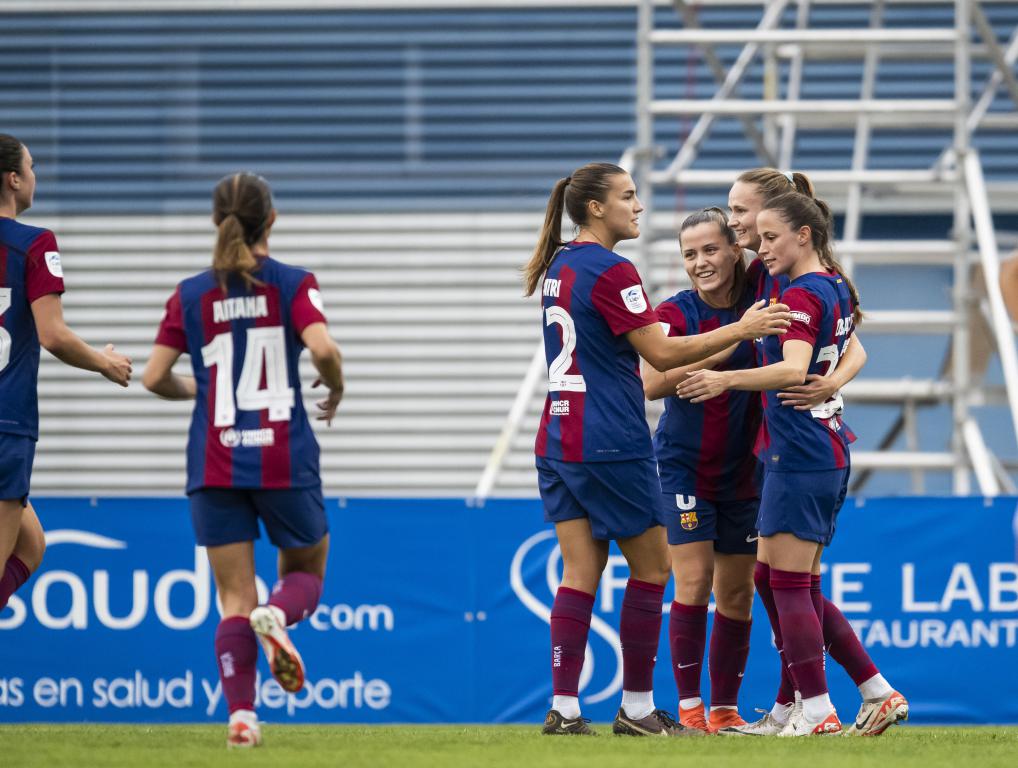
(619, 215)
(744, 205)
(781, 246)
(710, 261)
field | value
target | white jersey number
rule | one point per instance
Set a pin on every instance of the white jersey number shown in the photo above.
(829, 354)
(5, 336)
(558, 379)
(265, 355)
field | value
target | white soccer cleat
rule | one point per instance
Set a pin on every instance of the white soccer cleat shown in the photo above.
(799, 725)
(284, 661)
(244, 731)
(768, 725)
(877, 715)
(796, 712)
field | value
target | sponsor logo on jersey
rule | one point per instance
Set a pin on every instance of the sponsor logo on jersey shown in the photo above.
(688, 520)
(53, 263)
(247, 438)
(225, 310)
(802, 317)
(634, 300)
(559, 407)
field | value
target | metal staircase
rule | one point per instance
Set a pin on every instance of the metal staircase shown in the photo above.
(784, 44)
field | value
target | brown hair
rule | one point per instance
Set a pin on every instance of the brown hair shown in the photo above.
(715, 215)
(591, 182)
(241, 207)
(770, 182)
(12, 154)
(798, 210)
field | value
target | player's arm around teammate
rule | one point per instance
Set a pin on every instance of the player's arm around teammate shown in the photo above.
(31, 315)
(709, 479)
(251, 453)
(597, 477)
(806, 460)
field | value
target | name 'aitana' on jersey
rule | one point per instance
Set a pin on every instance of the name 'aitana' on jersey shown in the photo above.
(241, 306)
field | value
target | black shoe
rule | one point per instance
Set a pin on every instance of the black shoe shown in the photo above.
(657, 723)
(556, 725)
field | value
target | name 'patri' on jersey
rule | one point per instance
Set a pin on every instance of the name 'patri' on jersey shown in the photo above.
(249, 428)
(591, 297)
(29, 269)
(790, 440)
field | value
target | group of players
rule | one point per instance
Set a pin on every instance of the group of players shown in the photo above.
(742, 483)
(695, 501)
(251, 453)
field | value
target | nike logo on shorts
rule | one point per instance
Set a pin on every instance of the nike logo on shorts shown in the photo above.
(751, 539)
(686, 666)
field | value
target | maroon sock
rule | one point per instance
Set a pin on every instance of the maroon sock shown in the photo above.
(297, 594)
(844, 647)
(800, 631)
(687, 635)
(15, 574)
(236, 655)
(570, 625)
(640, 632)
(817, 596)
(762, 579)
(729, 649)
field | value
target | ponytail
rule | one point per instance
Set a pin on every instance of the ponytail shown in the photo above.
(241, 210)
(548, 241)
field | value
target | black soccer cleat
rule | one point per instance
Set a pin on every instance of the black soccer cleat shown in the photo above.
(556, 725)
(657, 723)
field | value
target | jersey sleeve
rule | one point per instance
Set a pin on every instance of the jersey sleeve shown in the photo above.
(806, 313)
(171, 329)
(619, 296)
(43, 273)
(672, 319)
(307, 306)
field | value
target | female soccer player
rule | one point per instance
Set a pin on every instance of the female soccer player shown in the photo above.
(881, 704)
(31, 281)
(805, 455)
(251, 453)
(709, 478)
(597, 476)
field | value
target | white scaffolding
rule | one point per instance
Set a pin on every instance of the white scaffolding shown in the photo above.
(954, 183)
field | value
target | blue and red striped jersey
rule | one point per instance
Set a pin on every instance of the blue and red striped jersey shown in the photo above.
(706, 449)
(29, 269)
(591, 297)
(249, 428)
(797, 441)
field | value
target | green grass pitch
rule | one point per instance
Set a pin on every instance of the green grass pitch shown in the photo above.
(111, 746)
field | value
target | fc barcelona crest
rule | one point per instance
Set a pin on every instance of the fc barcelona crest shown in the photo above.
(688, 520)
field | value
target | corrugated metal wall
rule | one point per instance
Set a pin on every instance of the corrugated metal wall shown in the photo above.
(403, 147)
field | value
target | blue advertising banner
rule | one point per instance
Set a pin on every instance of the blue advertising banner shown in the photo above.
(437, 611)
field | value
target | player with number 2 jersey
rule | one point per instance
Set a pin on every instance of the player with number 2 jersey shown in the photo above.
(596, 472)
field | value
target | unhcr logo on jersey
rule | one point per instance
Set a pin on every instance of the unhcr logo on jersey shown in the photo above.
(247, 438)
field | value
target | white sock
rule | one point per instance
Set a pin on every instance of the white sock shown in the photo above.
(817, 708)
(637, 704)
(875, 688)
(723, 706)
(567, 706)
(691, 703)
(780, 713)
(246, 716)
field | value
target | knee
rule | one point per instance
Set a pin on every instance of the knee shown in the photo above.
(693, 585)
(652, 572)
(238, 600)
(735, 600)
(30, 548)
